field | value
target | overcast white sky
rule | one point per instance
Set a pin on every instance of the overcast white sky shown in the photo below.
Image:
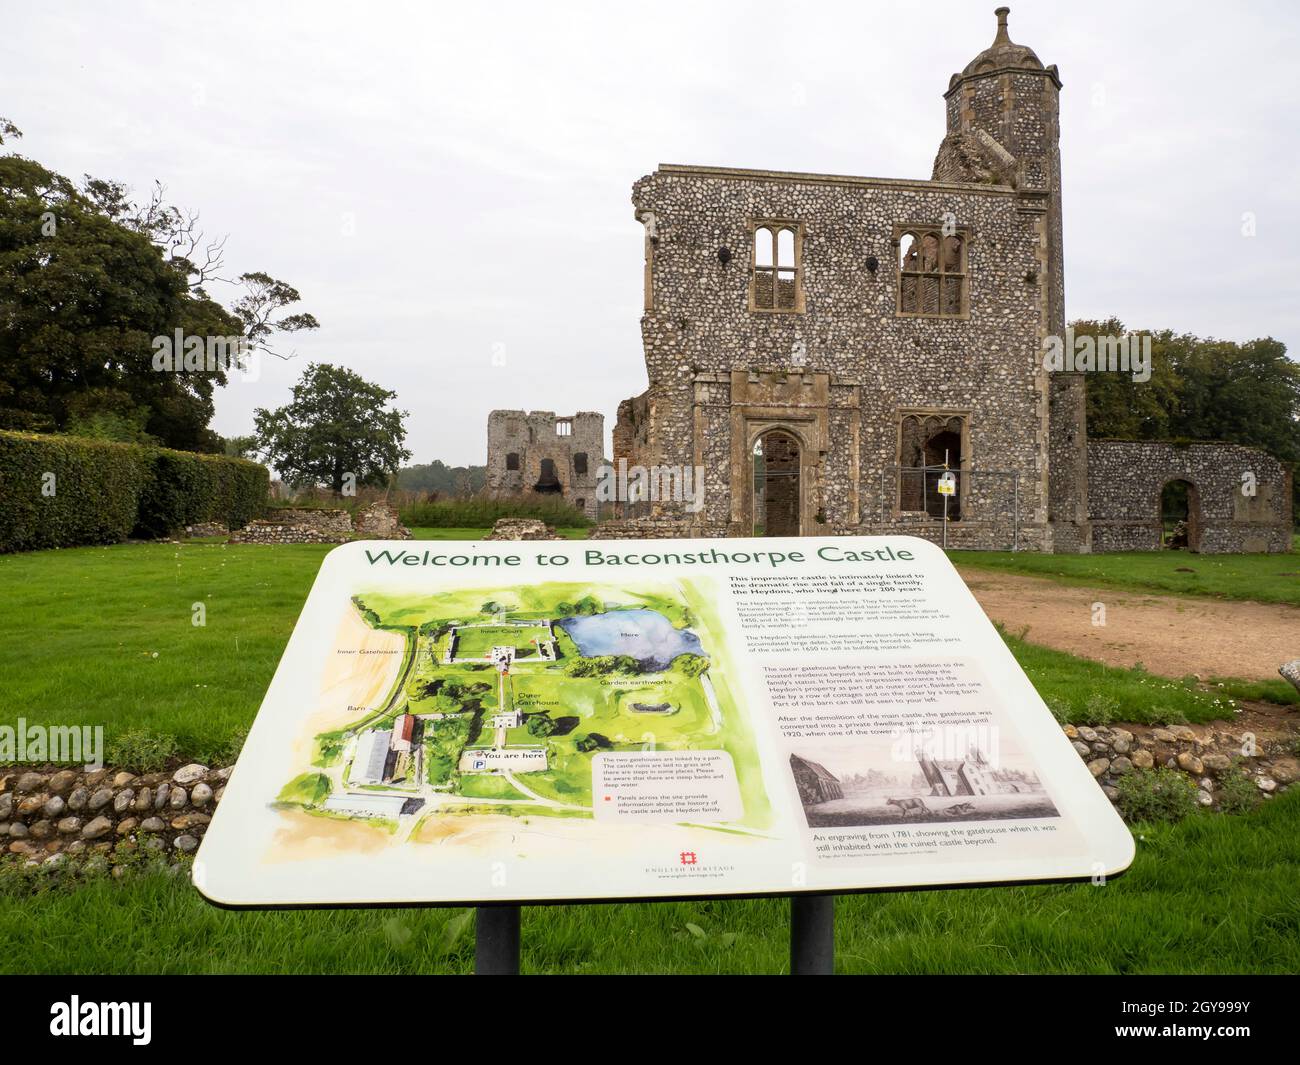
(439, 180)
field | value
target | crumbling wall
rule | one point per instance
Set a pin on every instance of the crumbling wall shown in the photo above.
(1126, 479)
(320, 525)
(842, 374)
(538, 451)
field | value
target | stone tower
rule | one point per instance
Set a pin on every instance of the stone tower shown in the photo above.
(535, 451)
(1003, 114)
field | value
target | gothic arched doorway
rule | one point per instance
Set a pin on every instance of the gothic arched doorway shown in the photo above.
(929, 444)
(778, 494)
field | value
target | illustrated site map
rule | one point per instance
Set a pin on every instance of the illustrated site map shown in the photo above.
(440, 715)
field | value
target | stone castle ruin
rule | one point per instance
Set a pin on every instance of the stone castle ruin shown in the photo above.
(829, 349)
(535, 451)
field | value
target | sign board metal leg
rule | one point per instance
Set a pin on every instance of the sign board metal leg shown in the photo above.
(496, 941)
(812, 935)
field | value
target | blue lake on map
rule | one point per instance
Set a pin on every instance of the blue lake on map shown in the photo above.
(646, 635)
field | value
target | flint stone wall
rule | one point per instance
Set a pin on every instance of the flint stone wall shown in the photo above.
(840, 375)
(533, 438)
(306, 525)
(50, 814)
(1126, 479)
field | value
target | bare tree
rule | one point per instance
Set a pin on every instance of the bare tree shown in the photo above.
(263, 299)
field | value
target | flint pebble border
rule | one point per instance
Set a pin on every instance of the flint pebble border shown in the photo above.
(1208, 754)
(50, 815)
(53, 814)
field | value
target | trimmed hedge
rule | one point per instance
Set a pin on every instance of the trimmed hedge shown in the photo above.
(184, 488)
(101, 492)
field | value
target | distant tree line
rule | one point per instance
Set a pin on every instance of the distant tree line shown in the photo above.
(437, 477)
(1200, 389)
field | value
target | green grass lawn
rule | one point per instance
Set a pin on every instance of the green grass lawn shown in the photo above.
(1214, 894)
(1266, 578)
(105, 635)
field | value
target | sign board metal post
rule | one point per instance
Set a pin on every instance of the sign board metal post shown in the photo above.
(812, 935)
(812, 938)
(496, 941)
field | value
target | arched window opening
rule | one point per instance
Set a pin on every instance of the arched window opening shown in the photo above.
(775, 281)
(930, 445)
(932, 273)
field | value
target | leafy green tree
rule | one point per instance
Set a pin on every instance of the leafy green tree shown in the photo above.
(260, 310)
(337, 425)
(106, 414)
(81, 299)
(1120, 408)
(1200, 389)
(239, 447)
(89, 277)
(540, 725)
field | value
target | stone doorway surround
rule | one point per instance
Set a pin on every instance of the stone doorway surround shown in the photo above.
(789, 401)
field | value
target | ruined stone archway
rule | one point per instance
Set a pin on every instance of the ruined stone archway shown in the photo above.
(548, 482)
(778, 488)
(1179, 514)
(929, 443)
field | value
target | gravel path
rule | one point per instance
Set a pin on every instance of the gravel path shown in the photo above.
(1170, 635)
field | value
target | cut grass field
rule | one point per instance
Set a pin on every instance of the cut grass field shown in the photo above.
(1214, 894)
(1264, 578)
(1084, 692)
(105, 635)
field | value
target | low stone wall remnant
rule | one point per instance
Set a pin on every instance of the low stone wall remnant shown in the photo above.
(1239, 498)
(308, 525)
(521, 529)
(1206, 753)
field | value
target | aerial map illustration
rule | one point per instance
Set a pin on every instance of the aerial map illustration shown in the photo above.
(495, 702)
